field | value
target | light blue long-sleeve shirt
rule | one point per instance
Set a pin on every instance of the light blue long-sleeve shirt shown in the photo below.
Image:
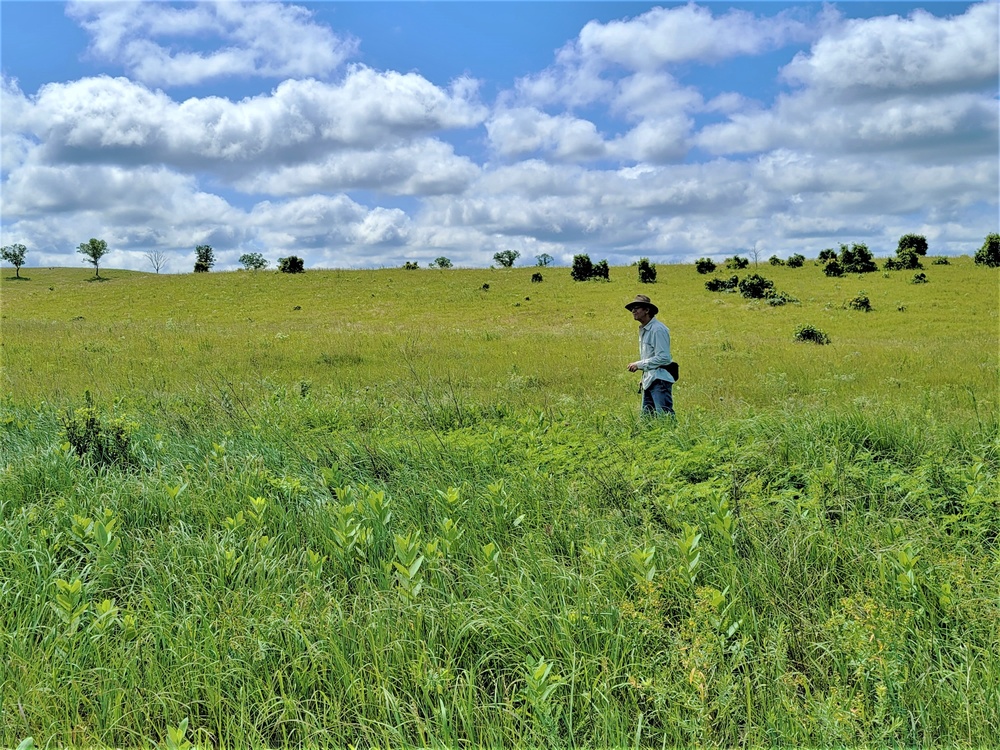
(654, 351)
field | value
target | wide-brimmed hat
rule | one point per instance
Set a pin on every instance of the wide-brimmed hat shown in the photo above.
(642, 299)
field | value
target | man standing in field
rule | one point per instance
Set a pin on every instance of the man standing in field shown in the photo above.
(654, 356)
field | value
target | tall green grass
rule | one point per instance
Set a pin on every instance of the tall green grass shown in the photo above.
(433, 517)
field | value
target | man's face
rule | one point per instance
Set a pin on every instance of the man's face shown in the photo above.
(641, 313)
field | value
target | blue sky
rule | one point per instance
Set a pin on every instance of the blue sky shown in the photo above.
(368, 134)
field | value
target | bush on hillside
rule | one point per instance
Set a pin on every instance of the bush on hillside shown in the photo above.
(536, 278)
(647, 271)
(915, 242)
(857, 258)
(833, 268)
(291, 264)
(940, 262)
(905, 260)
(756, 286)
(722, 285)
(827, 255)
(861, 302)
(774, 260)
(810, 333)
(704, 265)
(796, 260)
(919, 278)
(736, 263)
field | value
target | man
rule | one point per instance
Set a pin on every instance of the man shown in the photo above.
(654, 356)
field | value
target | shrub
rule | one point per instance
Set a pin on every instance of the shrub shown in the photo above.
(756, 286)
(647, 271)
(441, 262)
(722, 285)
(582, 268)
(704, 265)
(940, 262)
(103, 443)
(828, 254)
(989, 253)
(780, 298)
(905, 260)
(536, 278)
(811, 333)
(796, 260)
(774, 260)
(915, 242)
(736, 263)
(601, 271)
(485, 287)
(919, 278)
(861, 302)
(410, 265)
(291, 264)
(833, 268)
(857, 259)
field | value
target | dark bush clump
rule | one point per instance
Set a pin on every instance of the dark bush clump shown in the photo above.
(857, 259)
(722, 285)
(915, 242)
(781, 298)
(796, 260)
(861, 302)
(940, 262)
(647, 271)
(736, 263)
(756, 286)
(103, 443)
(905, 260)
(919, 278)
(774, 260)
(704, 265)
(584, 270)
(410, 265)
(811, 333)
(833, 268)
(291, 264)
(536, 278)
(828, 254)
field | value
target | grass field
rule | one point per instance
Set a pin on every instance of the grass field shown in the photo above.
(418, 508)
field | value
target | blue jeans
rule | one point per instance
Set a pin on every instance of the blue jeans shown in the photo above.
(658, 399)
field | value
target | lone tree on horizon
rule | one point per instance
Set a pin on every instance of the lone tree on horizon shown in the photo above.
(204, 258)
(14, 254)
(94, 250)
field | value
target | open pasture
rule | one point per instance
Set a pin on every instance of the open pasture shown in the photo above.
(418, 508)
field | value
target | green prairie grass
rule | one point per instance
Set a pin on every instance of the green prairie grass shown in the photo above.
(418, 513)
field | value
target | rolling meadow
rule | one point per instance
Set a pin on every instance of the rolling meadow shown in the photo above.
(419, 508)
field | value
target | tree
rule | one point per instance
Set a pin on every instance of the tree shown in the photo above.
(441, 262)
(543, 260)
(857, 258)
(204, 258)
(989, 253)
(506, 258)
(647, 271)
(796, 260)
(737, 263)
(157, 259)
(410, 265)
(704, 265)
(828, 254)
(14, 254)
(915, 242)
(94, 250)
(774, 260)
(601, 271)
(291, 264)
(253, 261)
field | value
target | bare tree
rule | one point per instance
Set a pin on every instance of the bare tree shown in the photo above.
(755, 253)
(157, 259)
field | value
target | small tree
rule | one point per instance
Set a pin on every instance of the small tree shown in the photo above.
(857, 259)
(915, 242)
(828, 254)
(647, 271)
(582, 268)
(204, 258)
(441, 262)
(756, 286)
(774, 260)
(989, 253)
(291, 264)
(796, 260)
(14, 254)
(704, 265)
(506, 258)
(410, 265)
(157, 259)
(736, 263)
(253, 261)
(536, 278)
(905, 260)
(833, 268)
(543, 260)
(94, 250)
(601, 271)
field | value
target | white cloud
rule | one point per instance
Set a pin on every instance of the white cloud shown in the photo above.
(525, 130)
(891, 55)
(260, 38)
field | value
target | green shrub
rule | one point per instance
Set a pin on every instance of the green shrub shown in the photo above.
(536, 278)
(704, 265)
(796, 260)
(736, 263)
(291, 264)
(919, 278)
(647, 271)
(756, 286)
(582, 268)
(833, 268)
(989, 253)
(857, 259)
(827, 255)
(722, 285)
(774, 260)
(940, 262)
(915, 242)
(102, 443)
(861, 302)
(812, 334)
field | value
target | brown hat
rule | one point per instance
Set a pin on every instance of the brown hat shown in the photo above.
(642, 299)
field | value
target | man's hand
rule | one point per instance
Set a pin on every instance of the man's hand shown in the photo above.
(633, 366)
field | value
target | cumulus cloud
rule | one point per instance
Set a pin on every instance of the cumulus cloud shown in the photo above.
(261, 39)
(526, 130)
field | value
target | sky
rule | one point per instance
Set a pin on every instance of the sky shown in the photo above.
(370, 134)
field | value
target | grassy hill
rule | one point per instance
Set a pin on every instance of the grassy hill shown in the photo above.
(402, 508)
